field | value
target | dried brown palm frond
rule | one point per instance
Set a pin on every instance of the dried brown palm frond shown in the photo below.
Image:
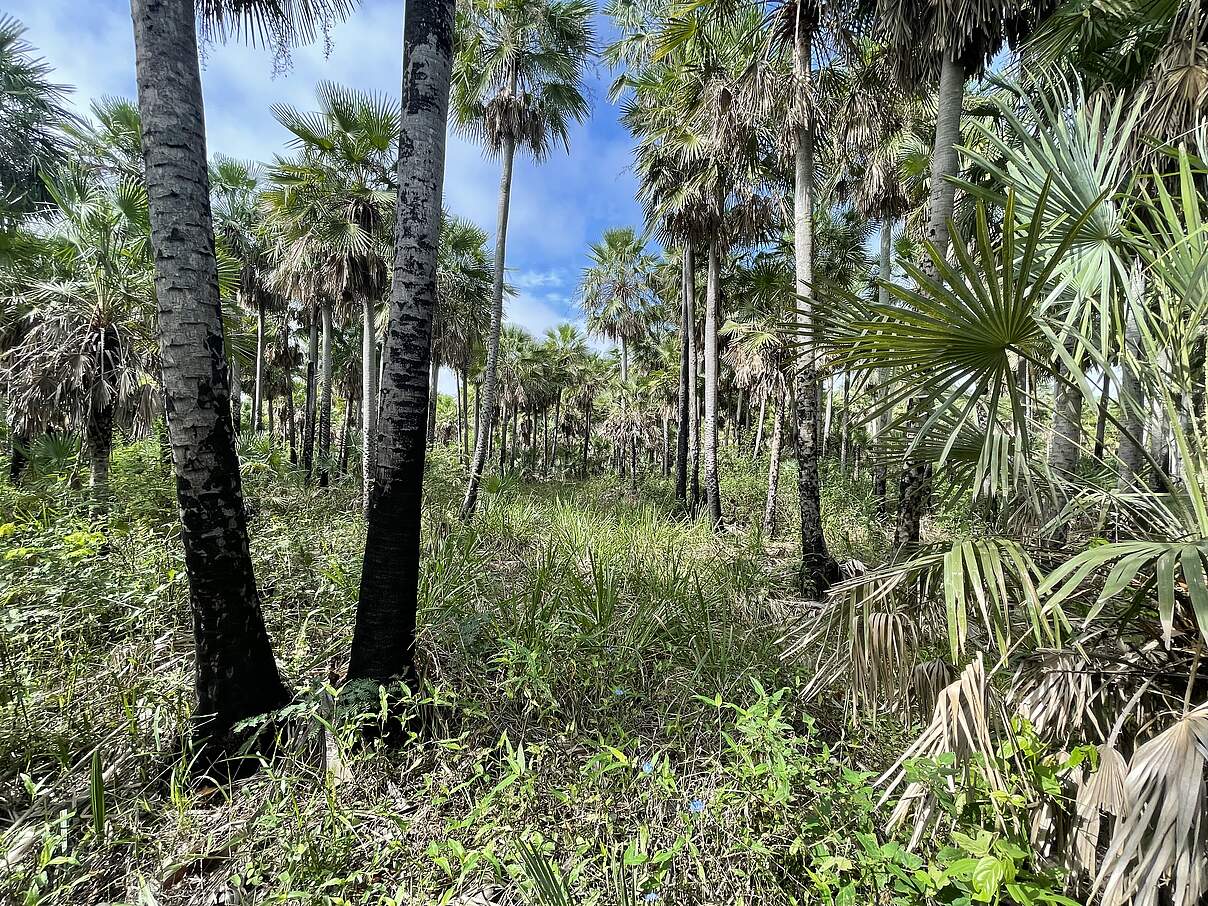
(927, 681)
(884, 646)
(1100, 792)
(1058, 691)
(1159, 850)
(960, 726)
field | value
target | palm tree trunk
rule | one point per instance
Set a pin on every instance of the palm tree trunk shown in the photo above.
(258, 389)
(881, 423)
(99, 433)
(1130, 454)
(236, 398)
(369, 398)
(913, 490)
(817, 567)
(681, 435)
(503, 440)
(290, 417)
(1101, 416)
(553, 449)
(769, 508)
(712, 302)
(693, 383)
(325, 401)
(342, 454)
(433, 381)
(490, 379)
(586, 436)
(383, 642)
(237, 676)
(763, 404)
(312, 396)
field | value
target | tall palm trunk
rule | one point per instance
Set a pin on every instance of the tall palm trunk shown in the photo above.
(769, 508)
(237, 677)
(236, 398)
(881, 423)
(258, 388)
(1101, 415)
(383, 641)
(433, 382)
(490, 378)
(817, 566)
(913, 491)
(586, 435)
(693, 383)
(681, 438)
(369, 398)
(325, 398)
(311, 406)
(1130, 454)
(290, 418)
(712, 303)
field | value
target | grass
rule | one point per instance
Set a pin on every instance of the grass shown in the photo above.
(608, 712)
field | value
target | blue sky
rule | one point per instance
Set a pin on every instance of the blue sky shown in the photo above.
(558, 207)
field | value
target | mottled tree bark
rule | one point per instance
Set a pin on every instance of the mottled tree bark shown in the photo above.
(712, 304)
(383, 643)
(433, 383)
(491, 376)
(237, 676)
(817, 566)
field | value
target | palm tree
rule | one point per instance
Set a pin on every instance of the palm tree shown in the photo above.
(237, 677)
(342, 186)
(565, 352)
(518, 83)
(465, 277)
(84, 357)
(383, 643)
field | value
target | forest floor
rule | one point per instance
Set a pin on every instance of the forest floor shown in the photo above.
(608, 711)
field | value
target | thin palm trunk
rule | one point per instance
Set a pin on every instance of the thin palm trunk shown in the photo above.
(769, 508)
(681, 439)
(913, 490)
(490, 379)
(237, 676)
(817, 566)
(99, 442)
(1101, 416)
(712, 303)
(763, 406)
(881, 423)
(311, 404)
(258, 388)
(325, 400)
(383, 642)
(290, 417)
(693, 383)
(586, 435)
(369, 398)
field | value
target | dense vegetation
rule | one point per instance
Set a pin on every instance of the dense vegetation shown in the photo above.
(869, 562)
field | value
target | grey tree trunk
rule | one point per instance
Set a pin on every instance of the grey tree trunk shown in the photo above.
(712, 303)
(325, 398)
(693, 386)
(369, 398)
(681, 439)
(258, 389)
(383, 641)
(311, 407)
(1130, 454)
(817, 566)
(912, 486)
(433, 382)
(490, 379)
(769, 507)
(237, 676)
(881, 423)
